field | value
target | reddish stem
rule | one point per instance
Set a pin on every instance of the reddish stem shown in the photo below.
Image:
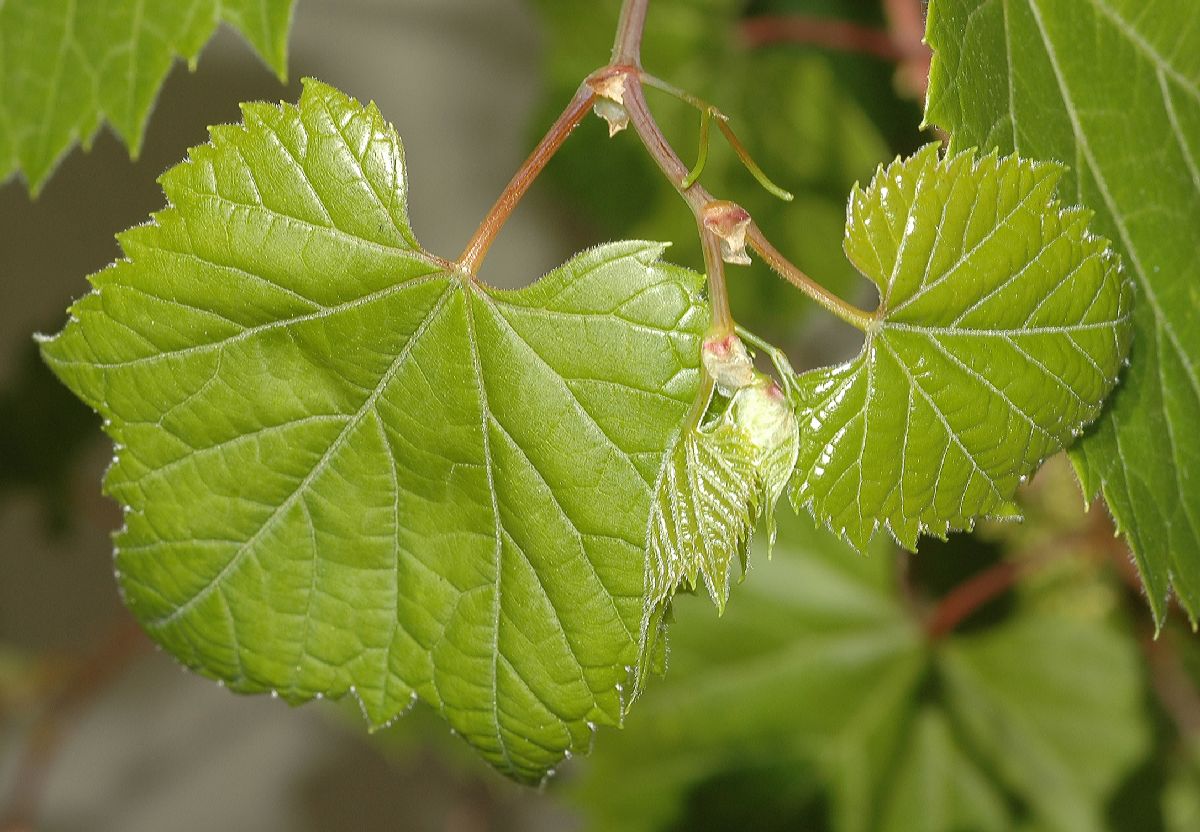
(1171, 682)
(627, 46)
(962, 601)
(625, 68)
(94, 672)
(783, 267)
(902, 42)
(965, 599)
(694, 195)
(481, 241)
(906, 22)
(840, 35)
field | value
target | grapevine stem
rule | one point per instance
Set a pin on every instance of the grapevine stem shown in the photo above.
(834, 34)
(718, 293)
(694, 195)
(88, 678)
(481, 241)
(625, 67)
(848, 312)
(627, 46)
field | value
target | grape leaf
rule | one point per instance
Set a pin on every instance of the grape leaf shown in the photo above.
(718, 478)
(819, 671)
(1001, 327)
(705, 506)
(1113, 88)
(348, 467)
(67, 65)
(715, 483)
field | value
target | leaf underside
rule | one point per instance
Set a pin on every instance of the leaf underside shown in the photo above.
(1002, 326)
(68, 65)
(348, 468)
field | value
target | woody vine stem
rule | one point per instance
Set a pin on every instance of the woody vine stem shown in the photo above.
(620, 84)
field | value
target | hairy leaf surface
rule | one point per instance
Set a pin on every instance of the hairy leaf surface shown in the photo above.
(706, 502)
(1111, 87)
(714, 484)
(68, 65)
(349, 468)
(1001, 327)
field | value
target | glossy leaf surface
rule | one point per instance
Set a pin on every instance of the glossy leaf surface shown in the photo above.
(1001, 327)
(348, 467)
(715, 483)
(705, 506)
(1111, 88)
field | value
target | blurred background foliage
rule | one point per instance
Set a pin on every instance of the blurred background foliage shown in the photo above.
(1005, 680)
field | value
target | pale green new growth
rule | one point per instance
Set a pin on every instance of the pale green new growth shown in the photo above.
(706, 503)
(68, 65)
(1001, 327)
(1113, 88)
(715, 483)
(349, 468)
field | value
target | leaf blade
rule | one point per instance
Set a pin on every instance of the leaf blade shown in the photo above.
(349, 468)
(1002, 325)
(1051, 99)
(821, 672)
(70, 65)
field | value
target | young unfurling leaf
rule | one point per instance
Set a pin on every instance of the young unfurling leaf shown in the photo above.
(717, 480)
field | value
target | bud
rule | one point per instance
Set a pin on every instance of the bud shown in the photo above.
(610, 102)
(764, 413)
(726, 360)
(729, 222)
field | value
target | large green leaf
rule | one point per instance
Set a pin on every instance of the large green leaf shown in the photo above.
(820, 683)
(1111, 87)
(1001, 326)
(68, 65)
(349, 468)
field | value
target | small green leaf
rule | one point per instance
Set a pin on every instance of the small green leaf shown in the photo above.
(1001, 327)
(348, 467)
(716, 481)
(67, 65)
(705, 506)
(1112, 87)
